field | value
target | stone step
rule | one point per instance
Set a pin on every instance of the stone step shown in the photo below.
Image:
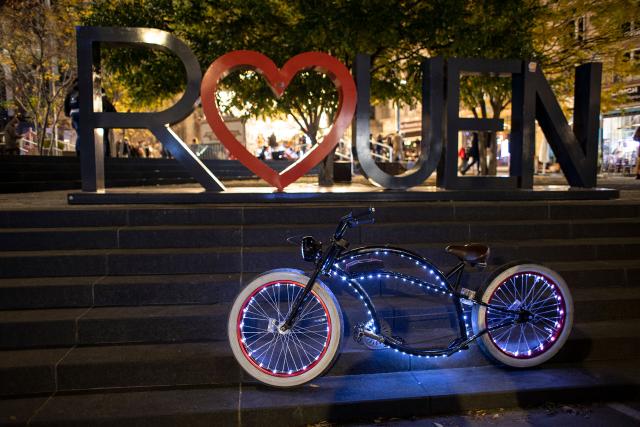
(142, 237)
(321, 213)
(334, 398)
(102, 291)
(207, 322)
(216, 260)
(211, 363)
(107, 325)
(71, 292)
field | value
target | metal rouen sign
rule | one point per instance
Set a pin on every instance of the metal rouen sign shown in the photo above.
(532, 99)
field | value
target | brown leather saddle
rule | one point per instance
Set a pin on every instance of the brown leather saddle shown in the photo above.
(473, 253)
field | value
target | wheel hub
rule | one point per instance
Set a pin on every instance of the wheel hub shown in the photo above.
(524, 316)
(274, 327)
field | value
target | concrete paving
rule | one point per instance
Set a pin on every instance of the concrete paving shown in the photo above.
(619, 414)
(374, 399)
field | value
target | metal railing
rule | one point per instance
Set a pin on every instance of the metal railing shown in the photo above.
(385, 148)
(344, 152)
(209, 151)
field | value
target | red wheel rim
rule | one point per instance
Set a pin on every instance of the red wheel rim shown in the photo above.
(301, 348)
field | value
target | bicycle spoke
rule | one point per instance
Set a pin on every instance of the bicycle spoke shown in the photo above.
(542, 299)
(290, 352)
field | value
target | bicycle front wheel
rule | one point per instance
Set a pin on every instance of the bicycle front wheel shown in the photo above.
(293, 357)
(541, 292)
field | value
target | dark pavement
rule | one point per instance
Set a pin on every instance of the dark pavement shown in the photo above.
(618, 414)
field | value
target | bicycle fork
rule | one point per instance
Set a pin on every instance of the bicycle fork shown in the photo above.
(321, 265)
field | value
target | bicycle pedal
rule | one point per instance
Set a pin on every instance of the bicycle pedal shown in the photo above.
(358, 333)
(395, 340)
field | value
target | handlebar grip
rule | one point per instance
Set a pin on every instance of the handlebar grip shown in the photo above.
(363, 218)
(363, 221)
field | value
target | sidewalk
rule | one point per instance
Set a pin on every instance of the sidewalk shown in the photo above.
(550, 415)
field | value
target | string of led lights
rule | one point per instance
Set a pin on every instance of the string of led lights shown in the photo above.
(440, 287)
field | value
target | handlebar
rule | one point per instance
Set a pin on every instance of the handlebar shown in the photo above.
(353, 220)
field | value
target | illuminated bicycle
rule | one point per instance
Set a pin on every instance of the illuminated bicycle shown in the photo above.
(285, 328)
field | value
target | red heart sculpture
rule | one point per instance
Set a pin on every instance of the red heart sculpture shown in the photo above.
(279, 80)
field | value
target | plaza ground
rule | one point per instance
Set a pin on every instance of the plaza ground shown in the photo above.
(618, 414)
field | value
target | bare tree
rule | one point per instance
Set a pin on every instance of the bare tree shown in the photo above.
(38, 47)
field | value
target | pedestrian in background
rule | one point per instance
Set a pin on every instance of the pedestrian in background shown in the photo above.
(12, 137)
(462, 157)
(72, 110)
(107, 107)
(636, 137)
(380, 142)
(473, 153)
(398, 149)
(126, 147)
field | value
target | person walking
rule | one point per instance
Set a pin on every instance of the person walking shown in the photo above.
(72, 110)
(398, 148)
(379, 145)
(462, 157)
(473, 153)
(126, 147)
(636, 137)
(12, 137)
(107, 107)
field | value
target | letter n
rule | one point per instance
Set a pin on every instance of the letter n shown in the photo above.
(577, 149)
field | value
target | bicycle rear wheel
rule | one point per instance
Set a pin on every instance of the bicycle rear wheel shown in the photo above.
(545, 295)
(293, 357)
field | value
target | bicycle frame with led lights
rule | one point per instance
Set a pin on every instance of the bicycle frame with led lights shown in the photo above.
(442, 285)
(329, 264)
(285, 326)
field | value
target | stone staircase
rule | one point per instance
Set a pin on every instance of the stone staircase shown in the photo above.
(134, 300)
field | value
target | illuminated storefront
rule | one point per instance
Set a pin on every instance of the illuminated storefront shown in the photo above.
(619, 149)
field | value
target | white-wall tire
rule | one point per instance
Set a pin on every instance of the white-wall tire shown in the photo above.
(248, 342)
(554, 305)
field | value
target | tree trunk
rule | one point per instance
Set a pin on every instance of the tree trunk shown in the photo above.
(325, 176)
(497, 108)
(492, 166)
(42, 132)
(482, 150)
(483, 142)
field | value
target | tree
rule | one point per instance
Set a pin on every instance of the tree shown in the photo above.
(39, 52)
(280, 29)
(568, 33)
(496, 29)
